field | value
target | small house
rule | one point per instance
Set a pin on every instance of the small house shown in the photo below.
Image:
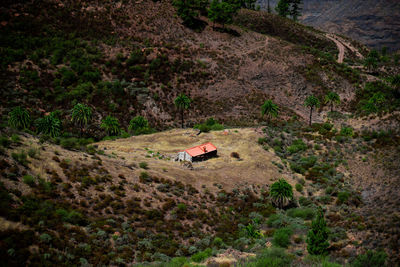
(198, 153)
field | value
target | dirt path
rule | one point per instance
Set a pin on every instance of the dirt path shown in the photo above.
(340, 47)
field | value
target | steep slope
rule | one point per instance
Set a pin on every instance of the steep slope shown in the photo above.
(373, 23)
(141, 62)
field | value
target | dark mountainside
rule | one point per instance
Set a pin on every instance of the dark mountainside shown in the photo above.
(93, 94)
(373, 23)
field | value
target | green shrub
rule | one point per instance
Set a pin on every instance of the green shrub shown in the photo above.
(347, 131)
(281, 193)
(20, 157)
(49, 125)
(111, 125)
(304, 213)
(370, 259)
(251, 231)
(139, 125)
(69, 143)
(19, 118)
(209, 125)
(297, 146)
(271, 257)
(143, 165)
(304, 202)
(299, 188)
(201, 256)
(15, 138)
(33, 152)
(29, 180)
(4, 141)
(281, 237)
(317, 238)
(343, 197)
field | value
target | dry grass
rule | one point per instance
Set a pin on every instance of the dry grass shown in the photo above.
(255, 166)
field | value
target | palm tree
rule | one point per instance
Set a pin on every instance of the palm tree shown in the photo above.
(81, 115)
(269, 109)
(19, 118)
(281, 192)
(182, 102)
(111, 125)
(332, 98)
(49, 124)
(311, 102)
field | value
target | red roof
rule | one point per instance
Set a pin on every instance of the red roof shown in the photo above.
(201, 149)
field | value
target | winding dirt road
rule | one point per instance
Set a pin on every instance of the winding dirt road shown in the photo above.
(339, 45)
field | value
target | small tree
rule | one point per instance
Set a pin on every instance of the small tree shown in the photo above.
(311, 102)
(139, 125)
(222, 12)
(182, 102)
(295, 9)
(281, 193)
(317, 237)
(19, 118)
(49, 125)
(81, 115)
(186, 9)
(111, 125)
(283, 8)
(269, 109)
(332, 99)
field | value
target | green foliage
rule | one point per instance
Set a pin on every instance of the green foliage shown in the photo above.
(271, 257)
(370, 259)
(19, 118)
(143, 165)
(282, 237)
(188, 10)
(20, 157)
(347, 131)
(5, 141)
(202, 255)
(182, 102)
(299, 188)
(111, 125)
(222, 11)
(29, 180)
(304, 213)
(297, 146)
(332, 99)
(281, 192)
(209, 125)
(139, 125)
(311, 102)
(49, 125)
(81, 115)
(72, 216)
(283, 8)
(378, 97)
(317, 238)
(343, 197)
(251, 231)
(269, 109)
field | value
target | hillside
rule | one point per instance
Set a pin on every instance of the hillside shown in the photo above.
(105, 190)
(373, 23)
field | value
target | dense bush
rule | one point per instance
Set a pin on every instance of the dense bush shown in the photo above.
(209, 125)
(139, 125)
(282, 237)
(271, 257)
(49, 125)
(297, 146)
(202, 255)
(370, 259)
(111, 125)
(19, 118)
(304, 213)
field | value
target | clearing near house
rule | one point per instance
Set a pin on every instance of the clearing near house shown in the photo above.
(159, 149)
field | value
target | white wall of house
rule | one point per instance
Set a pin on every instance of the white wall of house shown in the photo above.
(184, 156)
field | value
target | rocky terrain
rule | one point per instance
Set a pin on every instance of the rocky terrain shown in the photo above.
(373, 23)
